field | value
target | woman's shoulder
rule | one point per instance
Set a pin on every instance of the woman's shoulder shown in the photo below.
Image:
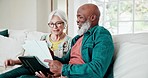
(67, 37)
(44, 37)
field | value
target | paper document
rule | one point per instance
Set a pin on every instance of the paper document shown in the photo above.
(39, 49)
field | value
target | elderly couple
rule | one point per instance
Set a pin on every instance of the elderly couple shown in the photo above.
(87, 55)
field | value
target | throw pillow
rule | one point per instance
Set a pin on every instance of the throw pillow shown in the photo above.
(34, 35)
(131, 61)
(19, 35)
(9, 48)
(4, 33)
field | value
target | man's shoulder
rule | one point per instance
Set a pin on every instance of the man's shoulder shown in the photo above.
(100, 30)
(75, 39)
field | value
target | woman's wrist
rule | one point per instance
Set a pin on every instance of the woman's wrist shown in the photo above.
(16, 62)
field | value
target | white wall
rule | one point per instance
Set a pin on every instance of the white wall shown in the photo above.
(18, 14)
(33, 14)
(71, 18)
(43, 10)
(72, 11)
(24, 14)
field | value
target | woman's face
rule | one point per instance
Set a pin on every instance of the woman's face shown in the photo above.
(56, 25)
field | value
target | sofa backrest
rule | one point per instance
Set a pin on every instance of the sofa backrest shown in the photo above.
(131, 54)
(140, 38)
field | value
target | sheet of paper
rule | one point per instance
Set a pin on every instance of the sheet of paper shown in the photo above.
(39, 49)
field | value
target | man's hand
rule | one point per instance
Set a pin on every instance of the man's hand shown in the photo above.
(55, 67)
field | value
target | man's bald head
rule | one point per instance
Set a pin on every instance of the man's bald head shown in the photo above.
(89, 10)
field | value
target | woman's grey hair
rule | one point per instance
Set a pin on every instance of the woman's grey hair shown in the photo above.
(60, 14)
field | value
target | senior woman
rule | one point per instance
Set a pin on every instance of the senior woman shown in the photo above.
(58, 42)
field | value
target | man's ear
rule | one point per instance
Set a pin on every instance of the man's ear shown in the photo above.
(93, 17)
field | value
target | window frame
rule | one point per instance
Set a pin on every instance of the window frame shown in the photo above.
(103, 22)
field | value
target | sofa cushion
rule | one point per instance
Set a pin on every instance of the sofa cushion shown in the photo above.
(136, 38)
(19, 35)
(131, 61)
(34, 35)
(4, 32)
(9, 48)
(140, 38)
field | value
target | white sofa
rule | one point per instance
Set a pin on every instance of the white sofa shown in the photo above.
(11, 47)
(131, 54)
(130, 59)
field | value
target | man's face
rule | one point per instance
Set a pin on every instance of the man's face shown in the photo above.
(83, 24)
(80, 19)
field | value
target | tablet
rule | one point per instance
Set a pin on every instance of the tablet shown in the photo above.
(33, 64)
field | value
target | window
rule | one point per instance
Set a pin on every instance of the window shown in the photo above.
(123, 16)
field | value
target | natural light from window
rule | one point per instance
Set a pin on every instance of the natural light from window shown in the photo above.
(123, 16)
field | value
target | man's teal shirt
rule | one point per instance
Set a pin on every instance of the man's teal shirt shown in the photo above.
(97, 52)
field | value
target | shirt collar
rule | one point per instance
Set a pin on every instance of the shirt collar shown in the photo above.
(90, 31)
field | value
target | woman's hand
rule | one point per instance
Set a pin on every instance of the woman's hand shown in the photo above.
(41, 75)
(9, 62)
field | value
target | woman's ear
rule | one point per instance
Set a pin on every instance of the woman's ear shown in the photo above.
(93, 17)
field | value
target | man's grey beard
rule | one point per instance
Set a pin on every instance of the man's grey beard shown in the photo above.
(85, 26)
